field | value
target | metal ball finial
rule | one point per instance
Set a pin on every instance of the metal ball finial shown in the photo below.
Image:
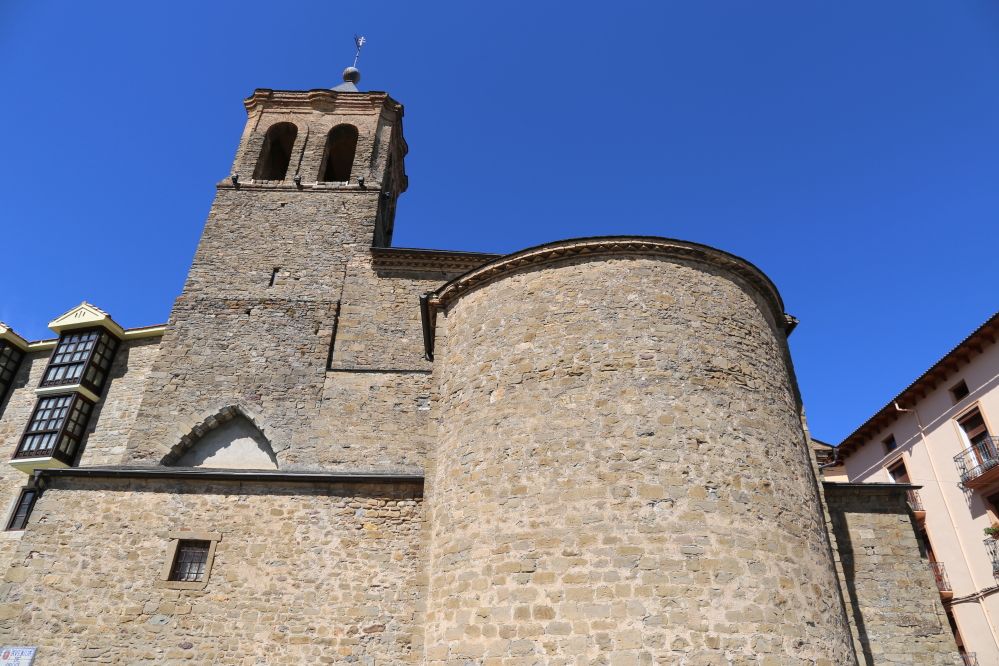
(352, 75)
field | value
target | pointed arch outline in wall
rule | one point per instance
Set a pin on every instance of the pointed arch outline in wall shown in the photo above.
(224, 417)
(275, 154)
(338, 158)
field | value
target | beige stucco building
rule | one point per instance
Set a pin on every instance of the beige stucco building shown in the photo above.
(939, 434)
(337, 451)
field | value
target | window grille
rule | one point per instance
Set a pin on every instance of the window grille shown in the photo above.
(190, 561)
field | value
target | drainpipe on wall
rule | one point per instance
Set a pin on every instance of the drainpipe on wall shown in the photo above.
(950, 514)
(834, 461)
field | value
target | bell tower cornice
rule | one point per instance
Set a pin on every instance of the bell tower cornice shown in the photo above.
(321, 100)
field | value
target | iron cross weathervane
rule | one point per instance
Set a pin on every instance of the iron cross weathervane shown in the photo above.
(359, 41)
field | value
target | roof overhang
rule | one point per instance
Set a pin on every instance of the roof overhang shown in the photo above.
(86, 315)
(952, 361)
(8, 335)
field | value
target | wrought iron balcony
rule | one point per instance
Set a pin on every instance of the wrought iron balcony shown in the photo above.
(943, 583)
(992, 548)
(969, 659)
(979, 463)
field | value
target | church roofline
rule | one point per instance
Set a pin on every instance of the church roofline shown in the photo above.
(450, 261)
(595, 246)
(209, 474)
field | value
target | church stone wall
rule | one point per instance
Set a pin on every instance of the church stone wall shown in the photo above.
(236, 340)
(376, 399)
(379, 325)
(621, 476)
(375, 419)
(302, 574)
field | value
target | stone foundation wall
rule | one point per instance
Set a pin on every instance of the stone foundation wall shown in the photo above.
(302, 574)
(621, 475)
(891, 594)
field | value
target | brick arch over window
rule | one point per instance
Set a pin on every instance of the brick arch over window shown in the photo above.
(338, 160)
(275, 156)
(229, 439)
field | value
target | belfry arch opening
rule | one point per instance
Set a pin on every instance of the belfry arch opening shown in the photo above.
(276, 152)
(341, 145)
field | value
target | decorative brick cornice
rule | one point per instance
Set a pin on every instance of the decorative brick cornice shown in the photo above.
(598, 247)
(321, 99)
(606, 246)
(439, 261)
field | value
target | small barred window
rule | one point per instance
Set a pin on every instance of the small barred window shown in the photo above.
(190, 562)
(81, 357)
(56, 428)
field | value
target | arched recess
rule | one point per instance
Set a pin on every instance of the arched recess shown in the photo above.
(276, 152)
(228, 440)
(338, 161)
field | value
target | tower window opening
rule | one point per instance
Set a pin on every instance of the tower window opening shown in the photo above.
(341, 145)
(276, 153)
(274, 275)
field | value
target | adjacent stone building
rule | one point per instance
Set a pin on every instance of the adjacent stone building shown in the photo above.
(337, 451)
(940, 432)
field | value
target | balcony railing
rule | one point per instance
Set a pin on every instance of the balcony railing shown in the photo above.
(977, 459)
(992, 548)
(940, 573)
(969, 659)
(915, 503)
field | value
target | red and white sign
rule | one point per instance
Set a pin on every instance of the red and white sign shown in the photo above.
(17, 656)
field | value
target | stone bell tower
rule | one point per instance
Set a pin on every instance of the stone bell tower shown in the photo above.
(314, 185)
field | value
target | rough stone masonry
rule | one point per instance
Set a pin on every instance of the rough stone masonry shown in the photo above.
(588, 452)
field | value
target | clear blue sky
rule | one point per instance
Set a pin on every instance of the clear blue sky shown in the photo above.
(849, 148)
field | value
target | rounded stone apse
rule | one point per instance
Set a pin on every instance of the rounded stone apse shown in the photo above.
(621, 474)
